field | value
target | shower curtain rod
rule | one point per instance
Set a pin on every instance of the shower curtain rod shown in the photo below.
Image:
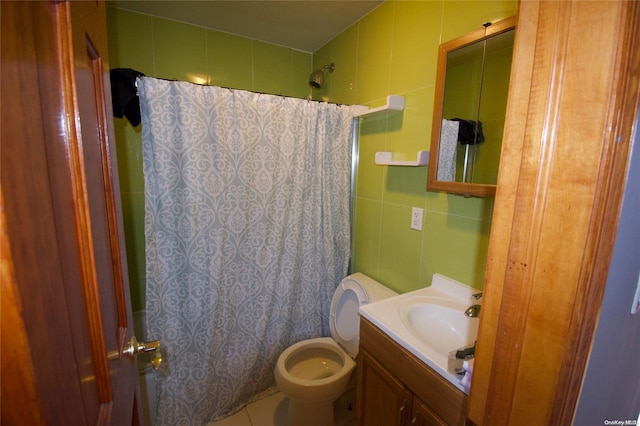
(246, 90)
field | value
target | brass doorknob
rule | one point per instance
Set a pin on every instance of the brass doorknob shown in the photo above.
(134, 348)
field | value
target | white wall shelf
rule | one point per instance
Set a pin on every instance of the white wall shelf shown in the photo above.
(394, 103)
(386, 159)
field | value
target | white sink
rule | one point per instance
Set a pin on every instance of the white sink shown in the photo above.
(438, 322)
(430, 323)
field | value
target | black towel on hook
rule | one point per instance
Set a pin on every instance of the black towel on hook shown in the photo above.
(468, 130)
(124, 94)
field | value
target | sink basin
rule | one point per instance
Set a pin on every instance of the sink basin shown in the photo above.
(439, 323)
(430, 323)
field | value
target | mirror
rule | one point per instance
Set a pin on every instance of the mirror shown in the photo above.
(469, 110)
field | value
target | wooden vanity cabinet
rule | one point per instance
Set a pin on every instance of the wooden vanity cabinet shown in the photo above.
(423, 416)
(387, 401)
(396, 388)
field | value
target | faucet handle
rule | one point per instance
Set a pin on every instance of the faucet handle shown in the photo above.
(477, 296)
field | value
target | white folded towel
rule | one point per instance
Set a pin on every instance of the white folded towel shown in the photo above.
(447, 150)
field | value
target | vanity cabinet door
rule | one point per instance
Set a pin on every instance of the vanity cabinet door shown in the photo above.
(423, 416)
(382, 399)
(393, 385)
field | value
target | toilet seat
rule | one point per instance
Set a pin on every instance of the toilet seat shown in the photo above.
(344, 320)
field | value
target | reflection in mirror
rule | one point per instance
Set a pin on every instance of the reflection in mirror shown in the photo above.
(469, 111)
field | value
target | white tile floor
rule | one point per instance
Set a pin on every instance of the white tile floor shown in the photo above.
(272, 411)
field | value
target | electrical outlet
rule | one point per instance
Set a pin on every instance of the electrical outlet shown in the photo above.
(416, 218)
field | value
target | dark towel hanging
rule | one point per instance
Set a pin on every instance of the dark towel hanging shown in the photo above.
(124, 94)
(468, 130)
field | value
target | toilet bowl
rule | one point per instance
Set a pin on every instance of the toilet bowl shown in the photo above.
(314, 373)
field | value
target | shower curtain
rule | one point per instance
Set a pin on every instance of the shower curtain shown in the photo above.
(247, 236)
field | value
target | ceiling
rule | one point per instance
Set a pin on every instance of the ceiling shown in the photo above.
(304, 25)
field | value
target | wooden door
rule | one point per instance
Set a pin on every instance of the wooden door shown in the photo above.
(386, 400)
(424, 416)
(66, 314)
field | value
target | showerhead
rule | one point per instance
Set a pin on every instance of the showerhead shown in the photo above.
(317, 77)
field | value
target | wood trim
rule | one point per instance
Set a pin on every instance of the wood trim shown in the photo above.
(95, 63)
(81, 206)
(501, 26)
(93, 110)
(504, 206)
(544, 271)
(603, 228)
(433, 184)
(525, 251)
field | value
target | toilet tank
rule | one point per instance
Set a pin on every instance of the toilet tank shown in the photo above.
(375, 290)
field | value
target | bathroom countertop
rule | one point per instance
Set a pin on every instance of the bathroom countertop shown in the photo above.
(386, 315)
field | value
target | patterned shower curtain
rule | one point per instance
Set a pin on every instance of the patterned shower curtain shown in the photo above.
(247, 236)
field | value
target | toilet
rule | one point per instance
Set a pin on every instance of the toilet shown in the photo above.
(314, 373)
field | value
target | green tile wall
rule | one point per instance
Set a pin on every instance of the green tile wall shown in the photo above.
(173, 50)
(393, 50)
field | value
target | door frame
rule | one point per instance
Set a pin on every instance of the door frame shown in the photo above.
(569, 127)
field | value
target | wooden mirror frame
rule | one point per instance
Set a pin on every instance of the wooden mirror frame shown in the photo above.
(433, 184)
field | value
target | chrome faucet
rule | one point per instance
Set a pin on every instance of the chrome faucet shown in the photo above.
(473, 311)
